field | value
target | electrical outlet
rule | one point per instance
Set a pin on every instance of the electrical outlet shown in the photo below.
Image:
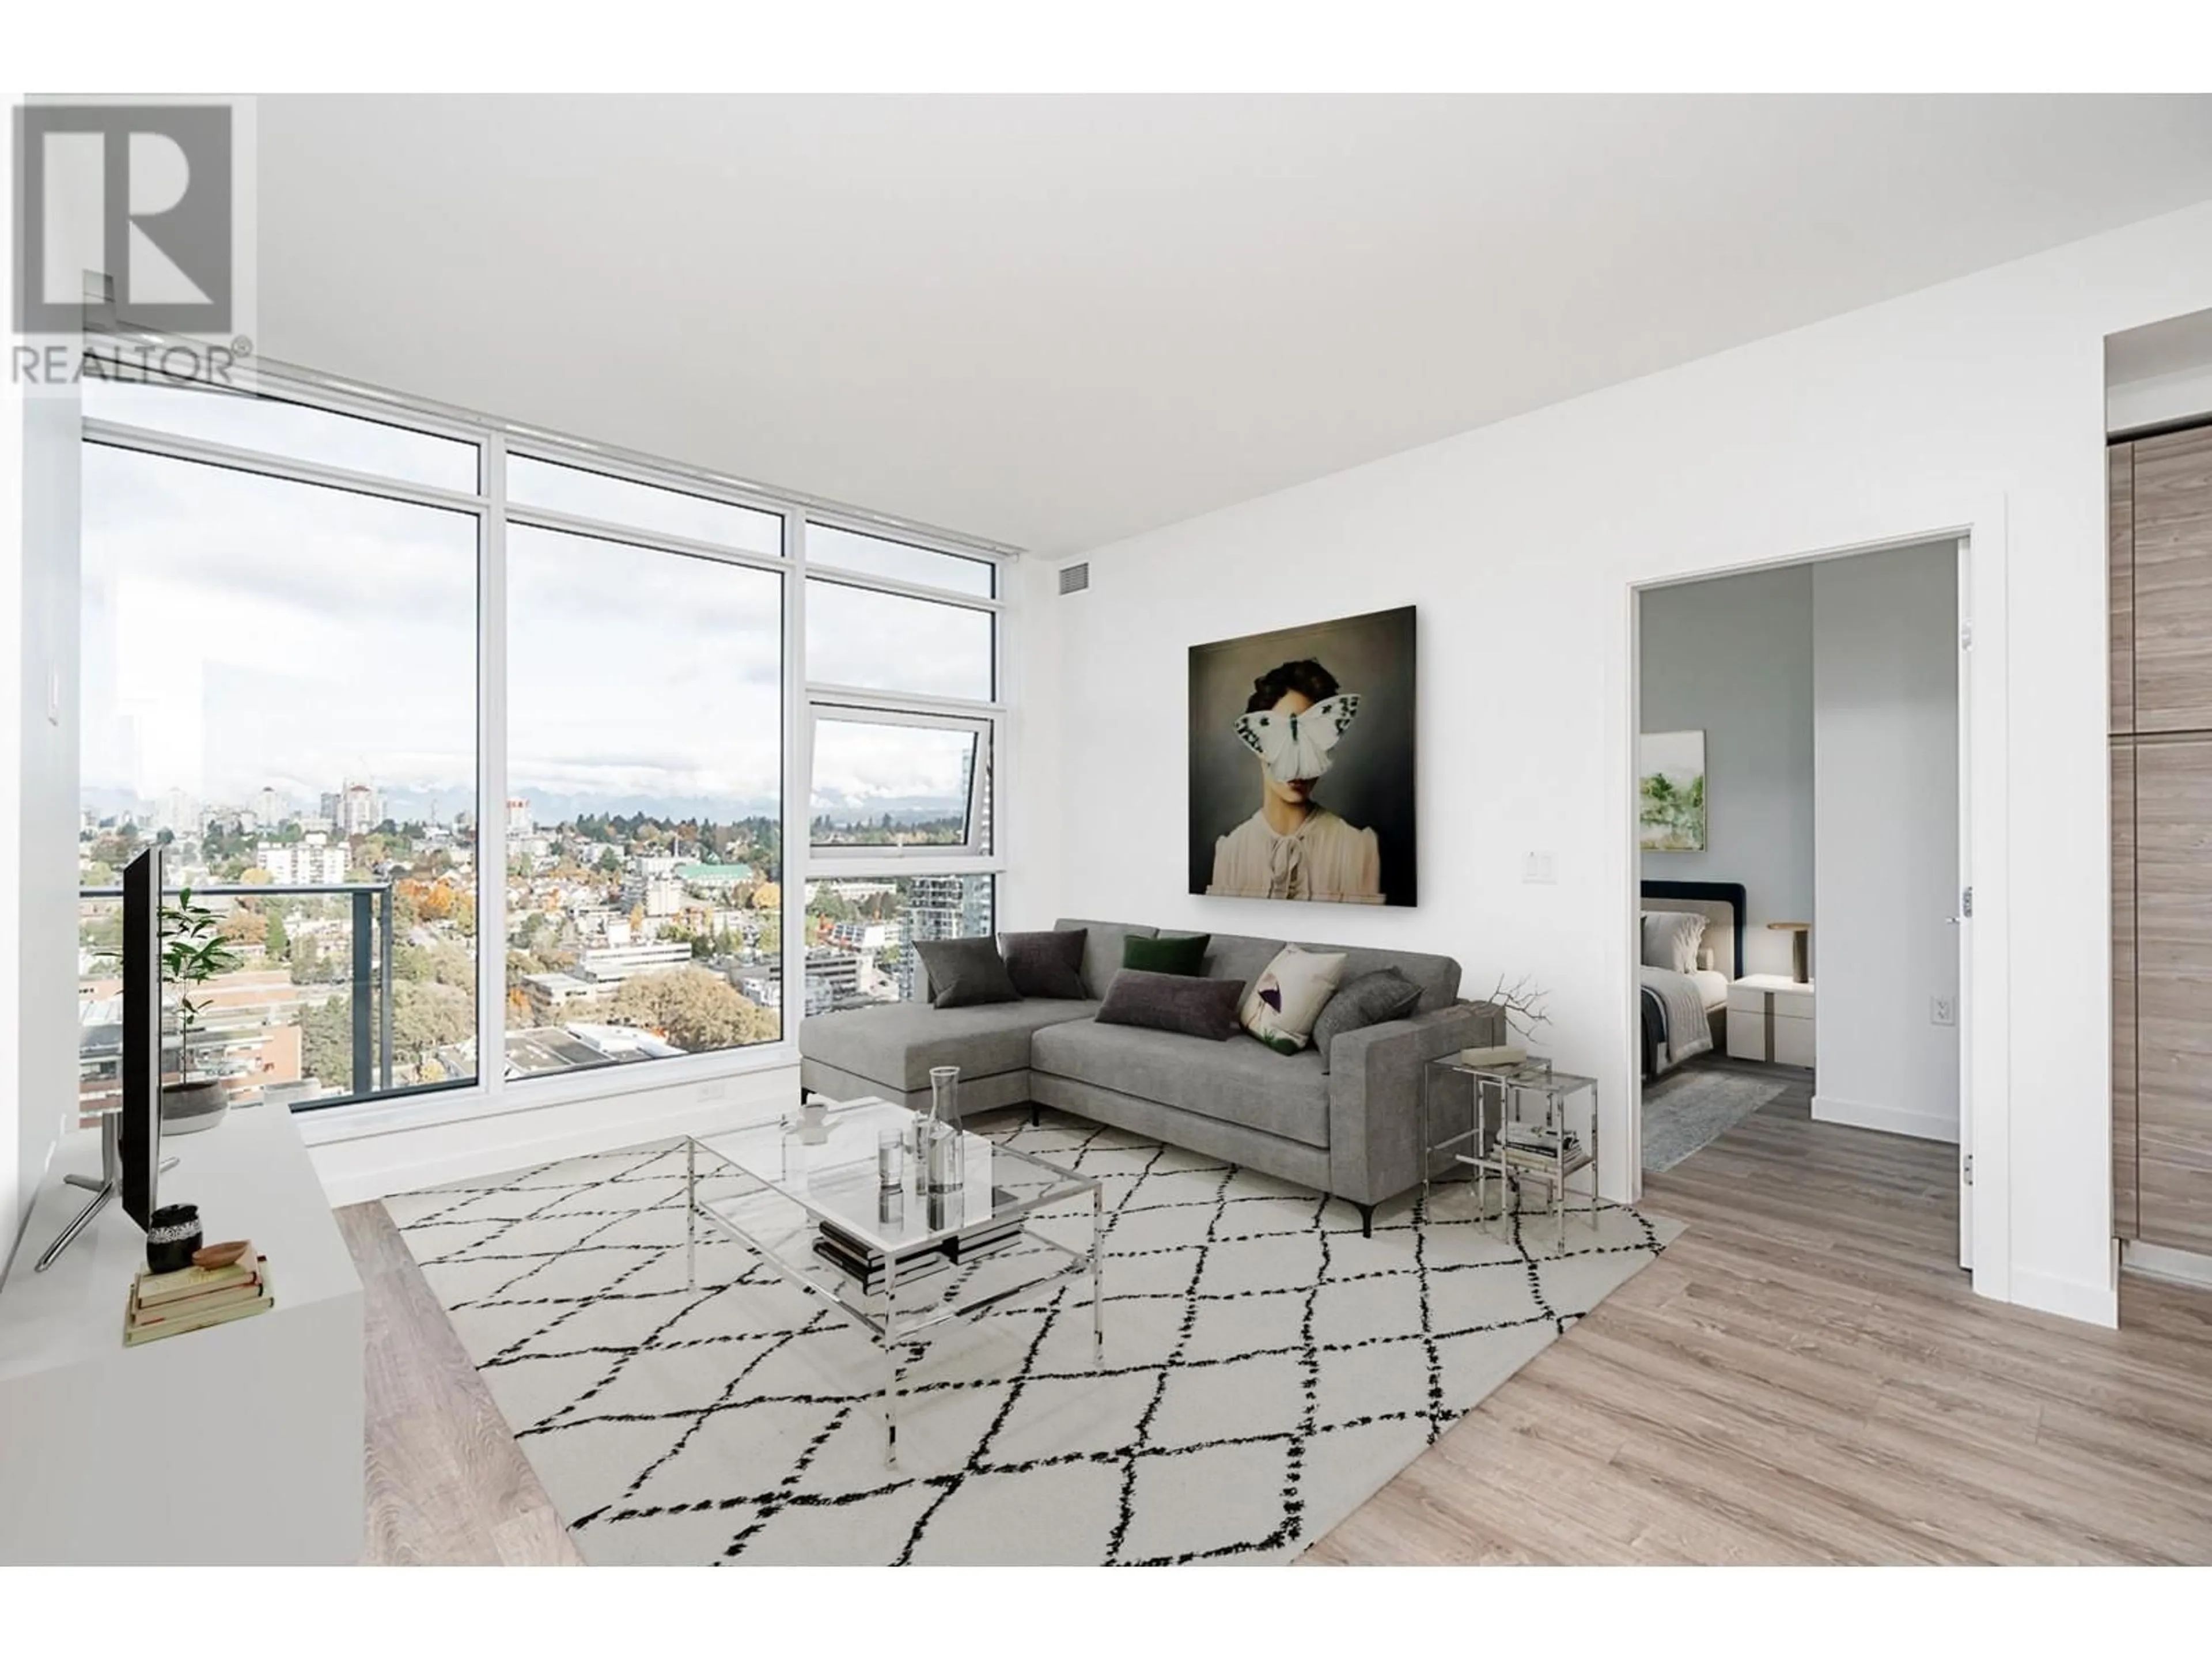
(1538, 867)
(1942, 1011)
(714, 1088)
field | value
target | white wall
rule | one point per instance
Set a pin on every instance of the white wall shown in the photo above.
(1886, 815)
(46, 1052)
(1734, 658)
(1978, 405)
(38, 777)
(14, 1205)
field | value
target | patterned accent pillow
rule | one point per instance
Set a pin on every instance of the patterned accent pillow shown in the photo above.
(1285, 1000)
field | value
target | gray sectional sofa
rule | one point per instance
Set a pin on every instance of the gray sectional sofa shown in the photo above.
(1351, 1130)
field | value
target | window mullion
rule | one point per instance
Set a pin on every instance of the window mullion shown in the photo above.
(492, 785)
(797, 785)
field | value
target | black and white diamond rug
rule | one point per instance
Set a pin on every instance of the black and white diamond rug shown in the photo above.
(1267, 1368)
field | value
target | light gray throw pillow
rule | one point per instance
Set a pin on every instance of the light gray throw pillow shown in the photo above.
(1671, 938)
(1369, 999)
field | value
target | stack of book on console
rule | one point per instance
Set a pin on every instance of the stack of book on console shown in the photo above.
(870, 1266)
(1533, 1146)
(193, 1299)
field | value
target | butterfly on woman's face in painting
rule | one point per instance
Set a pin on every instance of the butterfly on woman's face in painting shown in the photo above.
(1295, 746)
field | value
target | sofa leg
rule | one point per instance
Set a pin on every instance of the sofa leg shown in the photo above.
(1366, 1217)
(1033, 1115)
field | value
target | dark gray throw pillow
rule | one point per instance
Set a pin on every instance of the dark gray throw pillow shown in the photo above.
(1173, 1002)
(964, 972)
(1386, 993)
(1046, 964)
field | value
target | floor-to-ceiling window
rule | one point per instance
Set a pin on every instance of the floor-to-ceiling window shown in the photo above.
(902, 646)
(280, 676)
(389, 682)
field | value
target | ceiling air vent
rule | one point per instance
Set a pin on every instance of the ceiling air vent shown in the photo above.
(1074, 577)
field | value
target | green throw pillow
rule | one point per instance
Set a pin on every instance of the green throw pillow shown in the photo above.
(1184, 954)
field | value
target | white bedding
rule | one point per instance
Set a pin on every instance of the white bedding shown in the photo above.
(1713, 988)
(1689, 1032)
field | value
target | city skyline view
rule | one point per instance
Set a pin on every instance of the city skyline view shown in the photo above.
(282, 683)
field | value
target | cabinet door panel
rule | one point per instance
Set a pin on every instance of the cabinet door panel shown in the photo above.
(2171, 593)
(2120, 564)
(2124, 1221)
(2173, 993)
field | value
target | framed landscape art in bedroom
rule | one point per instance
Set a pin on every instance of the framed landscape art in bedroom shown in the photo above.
(1302, 764)
(1670, 792)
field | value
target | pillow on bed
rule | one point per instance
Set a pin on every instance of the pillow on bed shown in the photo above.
(1671, 938)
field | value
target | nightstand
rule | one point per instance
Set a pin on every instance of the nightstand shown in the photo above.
(1770, 1017)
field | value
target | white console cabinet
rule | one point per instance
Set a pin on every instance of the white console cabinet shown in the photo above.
(237, 1445)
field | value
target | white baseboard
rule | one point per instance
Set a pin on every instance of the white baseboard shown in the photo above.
(370, 1167)
(1890, 1120)
(2164, 1261)
(2070, 1299)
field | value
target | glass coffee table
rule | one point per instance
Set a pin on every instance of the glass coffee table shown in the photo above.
(809, 1199)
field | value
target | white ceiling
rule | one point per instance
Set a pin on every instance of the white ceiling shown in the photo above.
(1054, 322)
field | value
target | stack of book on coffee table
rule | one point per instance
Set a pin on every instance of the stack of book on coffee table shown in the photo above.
(870, 1266)
(193, 1299)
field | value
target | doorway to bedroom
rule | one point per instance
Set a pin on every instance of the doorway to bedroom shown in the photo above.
(1799, 820)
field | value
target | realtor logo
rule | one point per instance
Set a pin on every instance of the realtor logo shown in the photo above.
(139, 193)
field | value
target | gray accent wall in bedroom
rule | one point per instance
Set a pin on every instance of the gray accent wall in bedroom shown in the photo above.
(1733, 656)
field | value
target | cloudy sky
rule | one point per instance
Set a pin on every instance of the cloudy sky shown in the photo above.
(241, 631)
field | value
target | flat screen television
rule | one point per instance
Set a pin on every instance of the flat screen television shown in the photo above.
(140, 1129)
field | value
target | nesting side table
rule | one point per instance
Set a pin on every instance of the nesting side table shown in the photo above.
(1505, 1141)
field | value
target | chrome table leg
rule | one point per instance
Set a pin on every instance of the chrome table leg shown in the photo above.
(1098, 1324)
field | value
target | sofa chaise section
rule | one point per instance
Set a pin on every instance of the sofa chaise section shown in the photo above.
(887, 1049)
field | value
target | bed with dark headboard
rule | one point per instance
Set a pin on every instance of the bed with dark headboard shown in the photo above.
(1671, 1001)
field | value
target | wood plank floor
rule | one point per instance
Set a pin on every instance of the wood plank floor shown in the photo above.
(446, 1484)
(1803, 1376)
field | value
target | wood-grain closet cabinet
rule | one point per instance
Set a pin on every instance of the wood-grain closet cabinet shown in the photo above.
(2161, 781)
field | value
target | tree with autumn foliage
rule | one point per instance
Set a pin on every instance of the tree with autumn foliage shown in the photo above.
(696, 1010)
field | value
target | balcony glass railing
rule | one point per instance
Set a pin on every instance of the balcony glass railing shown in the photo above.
(313, 1015)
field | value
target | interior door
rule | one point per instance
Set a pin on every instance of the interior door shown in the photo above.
(1963, 916)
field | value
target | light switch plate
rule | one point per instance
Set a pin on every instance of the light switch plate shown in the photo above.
(1538, 867)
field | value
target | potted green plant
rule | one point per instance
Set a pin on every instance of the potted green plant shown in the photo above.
(193, 952)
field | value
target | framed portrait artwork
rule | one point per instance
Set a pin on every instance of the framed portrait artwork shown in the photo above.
(1302, 764)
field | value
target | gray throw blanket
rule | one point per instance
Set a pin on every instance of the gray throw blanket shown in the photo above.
(1688, 1031)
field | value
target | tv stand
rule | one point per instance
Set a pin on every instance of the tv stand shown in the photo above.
(236, 1445)
(102, 1186)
